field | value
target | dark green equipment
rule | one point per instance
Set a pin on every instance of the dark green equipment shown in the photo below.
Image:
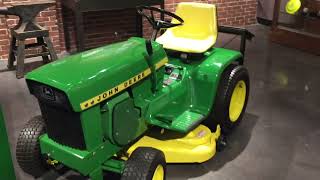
(6, 166)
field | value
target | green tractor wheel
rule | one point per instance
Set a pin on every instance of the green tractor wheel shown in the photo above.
(231, 99)
(28, 148)
(145, 164)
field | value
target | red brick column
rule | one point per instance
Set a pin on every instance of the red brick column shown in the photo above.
(60, 26)
(4, 39)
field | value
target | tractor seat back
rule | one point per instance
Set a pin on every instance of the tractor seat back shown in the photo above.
(197, 34)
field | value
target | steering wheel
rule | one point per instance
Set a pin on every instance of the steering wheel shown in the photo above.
(159, 24)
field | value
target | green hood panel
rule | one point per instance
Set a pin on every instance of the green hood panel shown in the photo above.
(85, 75)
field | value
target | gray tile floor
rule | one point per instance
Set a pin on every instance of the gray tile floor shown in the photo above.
(278, 139)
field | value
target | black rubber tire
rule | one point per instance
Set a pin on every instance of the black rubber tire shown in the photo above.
(28, 152)
(220, 110)
(142, 164)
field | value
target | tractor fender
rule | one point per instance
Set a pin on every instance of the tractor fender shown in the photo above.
(206, 78)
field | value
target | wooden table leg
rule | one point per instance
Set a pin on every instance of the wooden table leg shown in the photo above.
(44, 49)
(51, 50)
(20, 59)
(12, 57)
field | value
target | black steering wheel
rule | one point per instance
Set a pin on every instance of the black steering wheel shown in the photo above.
(159, 24)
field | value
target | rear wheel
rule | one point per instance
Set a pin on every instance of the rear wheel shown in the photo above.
(28, 152)
(231, 99)
(145, 164)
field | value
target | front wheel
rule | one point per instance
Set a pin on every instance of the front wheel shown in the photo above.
(231, 99)
(145, 164)
(28, 152)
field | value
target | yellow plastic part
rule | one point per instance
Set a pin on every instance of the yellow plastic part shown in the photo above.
(238, 99)
(196, 147)
(52, 162)
(159, 173)
(293, 6)
(197, 34)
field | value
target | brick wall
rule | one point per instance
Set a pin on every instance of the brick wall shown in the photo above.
(101, 27)
(110, 26)
(230, 12)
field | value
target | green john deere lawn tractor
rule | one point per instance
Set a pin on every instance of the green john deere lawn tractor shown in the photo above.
(133, 106)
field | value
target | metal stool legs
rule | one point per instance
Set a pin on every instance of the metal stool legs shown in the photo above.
(17, 52)
(12, 57)
(20, 59)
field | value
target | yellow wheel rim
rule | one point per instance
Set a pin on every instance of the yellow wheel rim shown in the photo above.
(238, 99)
(293, 6)
(158, 173)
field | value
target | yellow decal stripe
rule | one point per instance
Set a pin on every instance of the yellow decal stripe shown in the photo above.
(115, 90)
(162, 63)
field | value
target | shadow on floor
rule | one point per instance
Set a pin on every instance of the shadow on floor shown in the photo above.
(28, 66)
(237, 143)
(71, 175)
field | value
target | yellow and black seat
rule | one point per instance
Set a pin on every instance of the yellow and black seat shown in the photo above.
(198, 33)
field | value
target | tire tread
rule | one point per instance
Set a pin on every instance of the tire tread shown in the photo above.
(140, 165)
(28, 151)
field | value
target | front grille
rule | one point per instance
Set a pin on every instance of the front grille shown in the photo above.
(63, 126)
(62, 123)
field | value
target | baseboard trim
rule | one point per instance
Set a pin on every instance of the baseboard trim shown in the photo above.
(264, 21)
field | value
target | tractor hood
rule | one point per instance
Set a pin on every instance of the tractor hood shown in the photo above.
(87, 78)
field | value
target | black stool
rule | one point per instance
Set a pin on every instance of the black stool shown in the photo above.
(28, 28)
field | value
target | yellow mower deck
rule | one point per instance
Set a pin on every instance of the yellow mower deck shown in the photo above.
(196, 147)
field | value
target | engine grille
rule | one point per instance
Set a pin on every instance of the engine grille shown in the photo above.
(63, 126)
(62, 123)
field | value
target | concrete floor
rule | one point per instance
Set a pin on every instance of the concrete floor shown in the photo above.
(278, 139)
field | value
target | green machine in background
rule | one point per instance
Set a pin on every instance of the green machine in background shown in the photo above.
(6, 166)
(133, 106)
